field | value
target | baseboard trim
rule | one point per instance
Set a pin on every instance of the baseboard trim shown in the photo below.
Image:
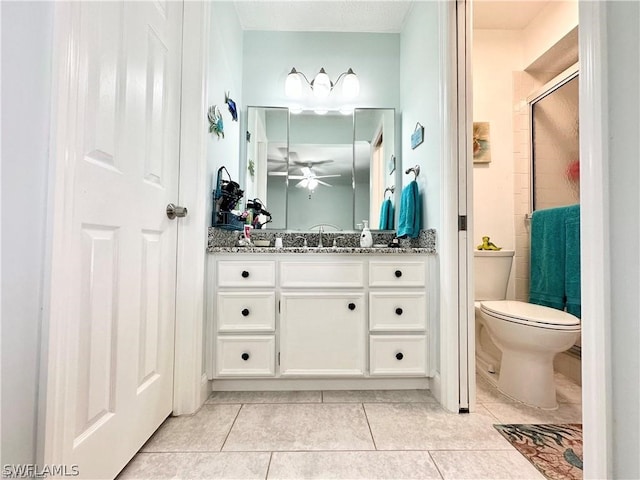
(222, 385)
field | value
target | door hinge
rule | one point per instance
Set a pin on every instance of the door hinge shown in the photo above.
(278, 358)
(462, 223)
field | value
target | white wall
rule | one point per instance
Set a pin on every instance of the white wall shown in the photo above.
(225, 75)
(496, 55)
(555, 21)
(26, 103)
(420, 90)
(623, 58)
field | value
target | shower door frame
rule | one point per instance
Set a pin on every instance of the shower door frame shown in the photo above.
(547, 89)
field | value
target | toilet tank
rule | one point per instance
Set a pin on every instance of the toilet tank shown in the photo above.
(491, 273)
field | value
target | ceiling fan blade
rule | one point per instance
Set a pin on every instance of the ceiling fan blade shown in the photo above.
(302, 183)
(327, 176)
(298, 177)
(310, 163)
(277, 174)
(324, 183)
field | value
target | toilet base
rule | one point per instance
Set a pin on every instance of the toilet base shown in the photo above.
(528, 378)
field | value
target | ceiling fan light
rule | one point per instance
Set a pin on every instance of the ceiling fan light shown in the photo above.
(350, 85)
(313, 183)
(320, 111)
(293, 85)
(321, 84)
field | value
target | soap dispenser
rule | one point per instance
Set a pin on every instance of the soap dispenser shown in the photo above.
(366, 240)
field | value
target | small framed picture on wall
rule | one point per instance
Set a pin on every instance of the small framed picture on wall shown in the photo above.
(481, 143)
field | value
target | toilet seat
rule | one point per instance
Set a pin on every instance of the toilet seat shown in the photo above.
(530, 314)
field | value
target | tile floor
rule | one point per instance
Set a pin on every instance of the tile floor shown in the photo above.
(352, 435)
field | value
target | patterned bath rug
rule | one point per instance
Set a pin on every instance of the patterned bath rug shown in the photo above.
(555, 450)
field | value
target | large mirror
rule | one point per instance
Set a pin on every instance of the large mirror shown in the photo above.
(311, 169)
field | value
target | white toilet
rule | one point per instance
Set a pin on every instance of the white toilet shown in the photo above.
(528, 336)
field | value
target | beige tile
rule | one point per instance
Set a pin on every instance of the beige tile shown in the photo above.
(352, 466)
(209, 466)
(377, 396)
(567, 391)
(520, 413)
(266, 397)
(426, 426)
(300, 427)
(484, 464)
(203, 432)
(487, 393)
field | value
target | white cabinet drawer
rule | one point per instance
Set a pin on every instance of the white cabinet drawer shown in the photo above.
(397, 311)
(392, 355)
(246, 311)
(246, 274)
(245, 356)
(397, 273)
(327, 274)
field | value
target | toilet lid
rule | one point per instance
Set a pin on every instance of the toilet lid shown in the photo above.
(529, 313)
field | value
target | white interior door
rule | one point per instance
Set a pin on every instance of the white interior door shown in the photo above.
(113, 338)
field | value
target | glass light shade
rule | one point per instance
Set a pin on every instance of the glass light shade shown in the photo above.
(350, 85)
(293, 85)
(313, 183)
(295, 109)
(304, 183)
(322, 84)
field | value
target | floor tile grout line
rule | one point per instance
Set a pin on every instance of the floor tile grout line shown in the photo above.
(433, 460)
(231, 428)
(266, 476)
(369, 425)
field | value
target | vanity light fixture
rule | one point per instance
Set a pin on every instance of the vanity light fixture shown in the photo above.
(321, 85)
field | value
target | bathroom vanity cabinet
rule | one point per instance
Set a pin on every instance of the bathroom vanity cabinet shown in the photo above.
(330, 316)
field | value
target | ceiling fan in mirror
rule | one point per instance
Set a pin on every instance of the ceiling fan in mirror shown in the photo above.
(309, 179)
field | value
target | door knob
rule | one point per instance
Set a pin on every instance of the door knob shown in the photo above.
(174, 211)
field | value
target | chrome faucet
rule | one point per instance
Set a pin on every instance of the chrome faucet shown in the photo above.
(335, 241)
(304, 243)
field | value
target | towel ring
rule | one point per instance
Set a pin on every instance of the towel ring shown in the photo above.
(391, 189)
(415, 170)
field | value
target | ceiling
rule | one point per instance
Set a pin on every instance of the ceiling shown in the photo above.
(385, 16)
(505, 14)
(323, 16)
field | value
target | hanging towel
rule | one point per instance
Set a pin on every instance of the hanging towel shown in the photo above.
(386, 215)
(547, 278)
(410, 211)
(572, 260)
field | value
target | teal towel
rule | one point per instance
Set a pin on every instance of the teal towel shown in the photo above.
(572, 260)
(386, 215)
(410, 211)
(547, 277)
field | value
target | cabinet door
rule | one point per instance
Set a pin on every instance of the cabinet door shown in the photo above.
(323, 334)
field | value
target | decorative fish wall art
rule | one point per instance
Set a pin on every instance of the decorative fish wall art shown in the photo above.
(216, 125)
(232, 106)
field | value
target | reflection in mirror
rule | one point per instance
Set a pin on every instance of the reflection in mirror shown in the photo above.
(320, 172)
(268, 130)
(312, 170)
(374, 150)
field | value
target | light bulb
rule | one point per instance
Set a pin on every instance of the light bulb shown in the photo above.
(313, 183)
(293, 85)
(320, 111)
(322, 84)
(350, 85)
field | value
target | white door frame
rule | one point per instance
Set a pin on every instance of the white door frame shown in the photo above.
(191, 386)
(594, 232)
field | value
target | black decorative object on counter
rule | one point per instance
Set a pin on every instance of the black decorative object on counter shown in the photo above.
(226, 196)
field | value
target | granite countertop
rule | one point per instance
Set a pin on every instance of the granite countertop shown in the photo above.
(225, 241)
(314, 250)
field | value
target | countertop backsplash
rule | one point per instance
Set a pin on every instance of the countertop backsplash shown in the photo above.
(227, 241)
